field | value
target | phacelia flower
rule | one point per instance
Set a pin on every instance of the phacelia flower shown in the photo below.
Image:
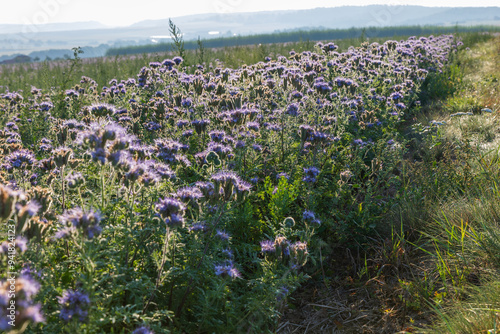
(310, 174)
(227, 270)
(76, 219)
(74, 305)
(172, 211)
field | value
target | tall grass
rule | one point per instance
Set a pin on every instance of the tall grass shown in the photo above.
(461, 213)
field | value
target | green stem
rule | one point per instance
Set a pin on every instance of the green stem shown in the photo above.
(160, 269)
(102, 188)
(63, 192)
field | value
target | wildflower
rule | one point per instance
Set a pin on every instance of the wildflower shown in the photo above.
(187, 133)
(189, 194)
(200, 126)
(310, 174)
(26, 311)
(197, 227)
(223, 235)
(182, 123)
(186, 102)
(359, 142)
(99, 155)
(168, 63)
(400, 105)
(102, 109)
(309, 217)
(220, 149)
(257, 147)
(177, 60)
(163, 170)
(76, 219)
(152, 126)
(293, 109)
(227, 270)
(74, 305)
(282, 174)
(227, 253)
(171, 210)
(142, 330)
(217, 136)
(20, 245)
(228, 183)
(267, 246)
(21, 159)
(253, 126)
(46, 106)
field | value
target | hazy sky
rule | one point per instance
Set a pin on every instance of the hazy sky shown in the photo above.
(125, 12)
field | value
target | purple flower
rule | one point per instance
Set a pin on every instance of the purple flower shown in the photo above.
(217, 136)
(189, 194)
(293, 109)
(221, 149)
(309, 217)
(227, 270)
(20, 245)
(253, 126)
(267, 246)
(74, 305)
(282, 174)
(22, 159)
(101, 109)
(142, 330)
(152, 126)
(25, 310)
(310, 174)
(227, 253)
(46, 106)
(177, 60)
(171, 210)
(197, 227)
(76, 219)
(359, 142)
(223, 235)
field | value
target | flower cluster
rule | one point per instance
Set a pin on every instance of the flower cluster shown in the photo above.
(74, 220)
(74, 305)
(17, 313)
(172, 211)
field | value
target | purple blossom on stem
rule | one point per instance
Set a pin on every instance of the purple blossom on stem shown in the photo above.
(74, 305)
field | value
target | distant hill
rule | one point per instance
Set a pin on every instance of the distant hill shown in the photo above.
(17, 60)
(333, 18)
(51, 27)
(14, 39)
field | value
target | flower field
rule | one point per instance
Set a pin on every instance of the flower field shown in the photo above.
(199, 202)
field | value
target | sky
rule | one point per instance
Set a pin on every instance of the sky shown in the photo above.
(126, 12)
